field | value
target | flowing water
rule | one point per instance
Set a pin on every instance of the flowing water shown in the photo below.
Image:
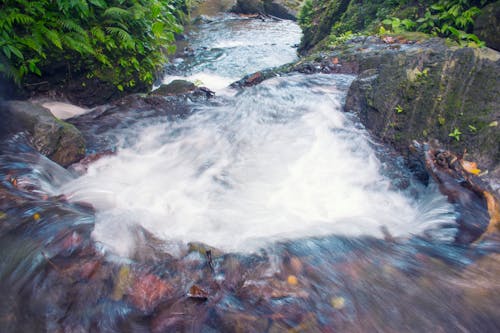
(311, 224)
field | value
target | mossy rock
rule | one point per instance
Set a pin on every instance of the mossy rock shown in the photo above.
(54, 138)
(430, 91)
(487, 25)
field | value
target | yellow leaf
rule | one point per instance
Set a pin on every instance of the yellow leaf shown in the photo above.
(36, 216)
(292, 280)
(470, 167)
(494, 211)
(122, 282)
(338, 302)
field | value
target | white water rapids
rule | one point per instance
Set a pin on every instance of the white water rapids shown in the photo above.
(277, 161)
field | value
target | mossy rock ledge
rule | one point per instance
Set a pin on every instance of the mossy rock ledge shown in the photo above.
(427, 91)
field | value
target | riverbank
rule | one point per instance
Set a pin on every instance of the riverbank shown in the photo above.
(266, 209)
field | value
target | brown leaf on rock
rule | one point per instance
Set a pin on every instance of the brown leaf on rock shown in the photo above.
(470, 167)
(148, 290)
(197, 292)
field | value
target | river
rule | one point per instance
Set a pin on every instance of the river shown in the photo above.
(271, 200)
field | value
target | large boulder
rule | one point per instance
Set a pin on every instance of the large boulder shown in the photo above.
(285, 9)
(248, 7)
(487, 25)
(430, 91)
(56, 139)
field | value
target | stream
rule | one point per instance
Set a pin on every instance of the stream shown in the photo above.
(266, 209)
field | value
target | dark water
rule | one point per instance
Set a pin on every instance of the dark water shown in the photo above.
(315, 227)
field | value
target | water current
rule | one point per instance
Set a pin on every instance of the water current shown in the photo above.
(312, 225)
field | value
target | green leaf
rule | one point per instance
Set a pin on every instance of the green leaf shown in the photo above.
(16, 51)
(98, 3)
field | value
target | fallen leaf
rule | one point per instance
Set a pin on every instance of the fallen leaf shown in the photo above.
(470, 167)
(335, 61)
(122, 281)
(36, 216)
(338, 302)
(292, 280)
(197, 293)
(494, 211)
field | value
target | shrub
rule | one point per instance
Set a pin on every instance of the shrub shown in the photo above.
(119, 41)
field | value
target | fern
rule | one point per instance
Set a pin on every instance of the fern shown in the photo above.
(117, 13)
(71, 25)
(92, 35)
(98, 33)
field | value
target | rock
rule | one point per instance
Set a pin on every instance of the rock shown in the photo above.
(429, 91)
(487, 25)
(281, 8)
(464, 190)
(56, 139)
(248, 7)
(148, 290)
(176, 87)
(278, 8)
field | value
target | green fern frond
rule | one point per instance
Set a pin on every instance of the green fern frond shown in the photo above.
(19, 18)
(98, 33)
(124, 36)
(117, 13)
(71, 25)
(54, 38)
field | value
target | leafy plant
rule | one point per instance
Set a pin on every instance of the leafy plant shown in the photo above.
(305, 14)
(455, 134)
(399, 109)
(444, 18)
(120, 41)
(340, 39)
(399, 25)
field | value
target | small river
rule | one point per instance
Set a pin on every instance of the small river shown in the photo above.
(271, 200)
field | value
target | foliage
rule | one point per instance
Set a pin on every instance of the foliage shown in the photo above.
(304, 17)
(455, 134)
(444, 18)
(335, 40)
(120, 41)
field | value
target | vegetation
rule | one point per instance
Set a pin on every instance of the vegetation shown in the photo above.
(445, 18)
(119, 41)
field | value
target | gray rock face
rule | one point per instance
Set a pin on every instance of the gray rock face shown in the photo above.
(431, 91)
(487, 25)
(280, 8)
(56, 139)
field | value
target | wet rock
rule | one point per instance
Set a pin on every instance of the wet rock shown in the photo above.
(487, 25)
(248, 7)
(81, 166)
(148, 290)
(58, 140)
(466, 191)
(176, 87)
(282, 9)
(278, 8)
